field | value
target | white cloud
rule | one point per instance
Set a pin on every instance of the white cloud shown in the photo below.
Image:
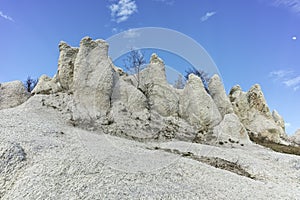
(287, 77)
(207, 16)
(281, 73)
(122, 10)
(167, 2)
(131, 33)
(293, 5)
(293, 82)
(6, 16)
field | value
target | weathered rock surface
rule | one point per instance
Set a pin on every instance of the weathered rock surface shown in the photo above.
(66, 62)
(104, 95)
(196, 106)
(93, 81)
(162, 97)
(254, 113)
(218, 93)
(278, 119)
(64, 162)
(47, 85)
(296, 137)
(12, 159)
(12, 94)
(231, 130)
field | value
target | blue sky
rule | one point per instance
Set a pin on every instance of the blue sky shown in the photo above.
(255, 41)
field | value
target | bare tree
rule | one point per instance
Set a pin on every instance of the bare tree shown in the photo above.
(30, 83)
(201, 74)
(134, 63)
(179, 84)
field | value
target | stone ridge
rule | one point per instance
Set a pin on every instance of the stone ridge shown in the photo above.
(104, 97)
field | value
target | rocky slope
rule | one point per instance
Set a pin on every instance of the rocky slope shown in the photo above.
(93, 132)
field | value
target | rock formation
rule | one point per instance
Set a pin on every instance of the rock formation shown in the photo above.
(255, 115)
(12, 94)
(218, 93)
(62, 141)
(102, 96)
(197, 106)
(296, 137)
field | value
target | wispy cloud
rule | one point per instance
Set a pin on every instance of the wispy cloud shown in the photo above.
(207, 16)
(6, 17)
(167, 2)
(122, 10)
(293, 5)
(279, 74)
(131, 33)
(286, 77)
(293, 82)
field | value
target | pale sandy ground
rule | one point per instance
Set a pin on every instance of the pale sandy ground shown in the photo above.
(63, 162)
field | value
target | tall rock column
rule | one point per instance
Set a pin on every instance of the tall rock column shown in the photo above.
(197, 106)
(66, 61)
(219, 96)
(92, 82)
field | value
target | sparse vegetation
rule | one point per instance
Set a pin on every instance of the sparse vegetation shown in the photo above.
(30, 83)
(201, 74)
(179, 83)
(216, 162)
(134, 64)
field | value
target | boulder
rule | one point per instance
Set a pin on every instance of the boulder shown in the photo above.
(197, 106)
(47, 85)
(217, 92)
(66, 61)
(12, 94)
(232, 130)
(93, 81)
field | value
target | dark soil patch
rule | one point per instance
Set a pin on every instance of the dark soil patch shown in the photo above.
(212, 161)
(275, 146)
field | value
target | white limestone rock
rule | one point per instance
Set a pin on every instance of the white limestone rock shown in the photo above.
(231, 129)
(47, 85)
(162, 97)
(278, 119)
(131, 97)
(254, 113)
(12, 94)
(67, 56)
(217, 91)
(197, 106)
(93, 81)
(296, 137)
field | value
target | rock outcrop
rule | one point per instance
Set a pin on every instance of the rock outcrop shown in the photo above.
(197, 106)
(218, 93)
(296, 137)
(12, 94)
(278, 119)
(104, 96)
(162, 97)
(92, 82)
(254, 113)
(47, 85)
(231, 130)
(66, 62)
